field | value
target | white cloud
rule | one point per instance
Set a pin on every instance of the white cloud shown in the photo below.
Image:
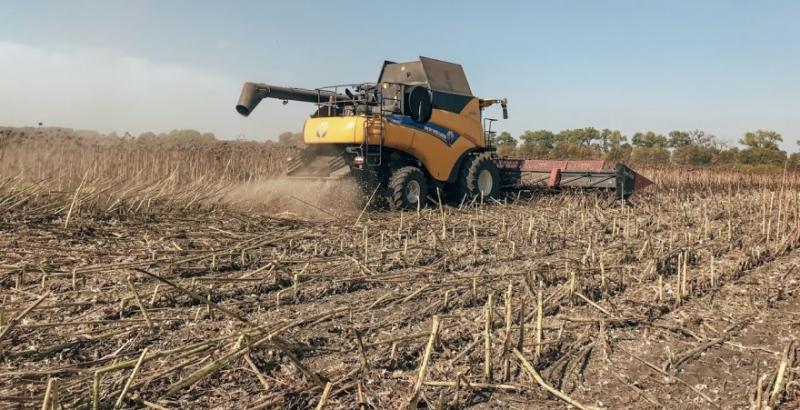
(108, 91)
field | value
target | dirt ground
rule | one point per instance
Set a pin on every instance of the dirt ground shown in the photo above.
(687, 299)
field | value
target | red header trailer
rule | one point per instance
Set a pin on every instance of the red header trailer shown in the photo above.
(592, 174)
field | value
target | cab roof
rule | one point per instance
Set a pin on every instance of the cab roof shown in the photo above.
(438, 75)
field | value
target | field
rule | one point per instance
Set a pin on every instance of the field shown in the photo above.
(179, 275)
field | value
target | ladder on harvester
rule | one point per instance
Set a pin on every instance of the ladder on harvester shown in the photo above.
(374, 132)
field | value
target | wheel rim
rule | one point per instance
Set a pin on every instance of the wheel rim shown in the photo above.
(413, 191)
(485, 182)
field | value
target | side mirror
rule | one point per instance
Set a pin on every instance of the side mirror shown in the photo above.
(504, 104)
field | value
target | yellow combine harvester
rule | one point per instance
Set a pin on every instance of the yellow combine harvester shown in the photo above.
(419, 128)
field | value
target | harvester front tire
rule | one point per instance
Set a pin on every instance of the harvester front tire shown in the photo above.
(408, 188)
(479, 177)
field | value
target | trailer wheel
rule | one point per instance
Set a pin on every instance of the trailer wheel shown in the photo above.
(408, 188)
(479, 177)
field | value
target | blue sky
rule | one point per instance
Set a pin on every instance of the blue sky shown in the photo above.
(722, 66)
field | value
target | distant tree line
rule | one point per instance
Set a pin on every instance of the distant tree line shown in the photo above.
(694, 148)
(697, 148)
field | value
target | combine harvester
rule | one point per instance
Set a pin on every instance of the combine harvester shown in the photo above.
(418, 129)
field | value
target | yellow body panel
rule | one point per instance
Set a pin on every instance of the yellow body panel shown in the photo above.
(436, 155)
(334, 130)
(398, 137)
(467, 123)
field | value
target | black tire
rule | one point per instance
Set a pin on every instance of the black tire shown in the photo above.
(402, 184)
(468, 185)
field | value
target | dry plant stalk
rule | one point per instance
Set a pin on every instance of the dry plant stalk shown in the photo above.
(507, 340)
(324, 398)
(51, 395)
(423, 367)
(552, 390)
(141, 305)
(487, 341)
(538, 326)
(130, 379)
(15, 321)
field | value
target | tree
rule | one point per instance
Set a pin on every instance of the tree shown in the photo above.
(621, 153)
(611, 140)
(616, 140)
(762, 139)
(728, 156)
(542, 138)
(649, 139)
(702, 139)
(577, 143)
(679, 139)
(694, 154)
(762, 148)
(693, 147)
(654, 155)
(793, 161)
(581, 137)
(537, 144)
(505, 139)
(569, 150)
(762, 156)
(505, 143)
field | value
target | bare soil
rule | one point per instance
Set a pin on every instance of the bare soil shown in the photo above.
(264, 308)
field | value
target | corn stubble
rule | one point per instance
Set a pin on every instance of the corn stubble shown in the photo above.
(129, 280)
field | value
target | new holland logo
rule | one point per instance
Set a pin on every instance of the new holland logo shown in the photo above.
(322, 129)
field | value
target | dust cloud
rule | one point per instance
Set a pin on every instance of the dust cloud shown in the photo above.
(301, 197)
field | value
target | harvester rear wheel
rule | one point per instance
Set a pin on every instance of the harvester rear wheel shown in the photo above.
(479, 177)
(408, 188)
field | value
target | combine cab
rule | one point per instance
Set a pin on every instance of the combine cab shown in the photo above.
(418, 129)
